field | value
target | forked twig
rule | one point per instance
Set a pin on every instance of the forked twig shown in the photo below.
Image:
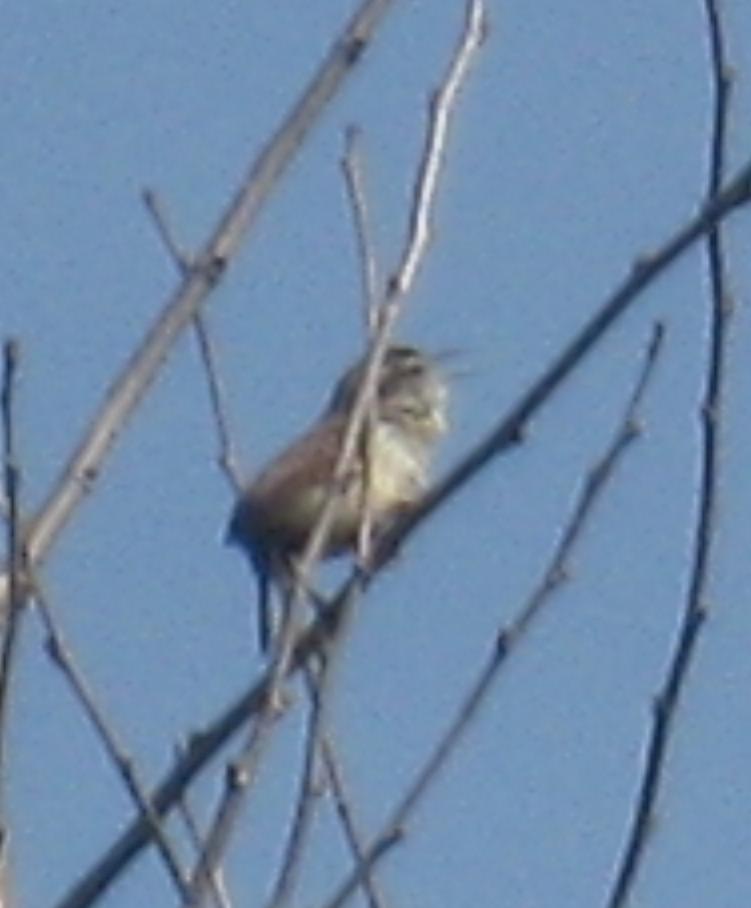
(354, 178)
(227, 459)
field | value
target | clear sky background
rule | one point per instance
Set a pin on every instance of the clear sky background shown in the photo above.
(581, 142)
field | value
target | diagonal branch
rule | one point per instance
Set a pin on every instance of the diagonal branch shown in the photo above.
(736, 194)
(124, 764)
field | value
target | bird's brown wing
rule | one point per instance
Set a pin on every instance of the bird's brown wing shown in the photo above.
(310, 460)
(284, 500)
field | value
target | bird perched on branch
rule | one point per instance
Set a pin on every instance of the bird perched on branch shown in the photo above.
(275, 514)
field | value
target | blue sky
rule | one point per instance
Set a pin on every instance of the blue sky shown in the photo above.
(580, 142)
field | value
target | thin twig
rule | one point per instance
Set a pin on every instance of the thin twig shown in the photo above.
(506, 434)
(319, 745)
(667, 702)
(354, 178)
(510, 636)
(239, 775)
(6, 882)
(347, 820)
(155, 207)
(299, 834)
(227, 459)
(121, 399)
(124, 764)
(17, 586)
(218, 887)
(15, 554)
(442, 106)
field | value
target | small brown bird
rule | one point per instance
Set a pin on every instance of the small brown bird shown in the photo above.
(275, 514)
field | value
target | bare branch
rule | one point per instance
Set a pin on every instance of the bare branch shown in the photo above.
(124, 764)
(667, 701)
(344, 809)
(227, 459)
(354, 177)
(16, 560)
(239, 775)
(299, 834)
(17, 581)
(506, 434)
(319, 745)
(155, 207)
(352, 167)
(442, 106)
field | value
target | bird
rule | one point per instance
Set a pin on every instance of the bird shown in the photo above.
(276, 511)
